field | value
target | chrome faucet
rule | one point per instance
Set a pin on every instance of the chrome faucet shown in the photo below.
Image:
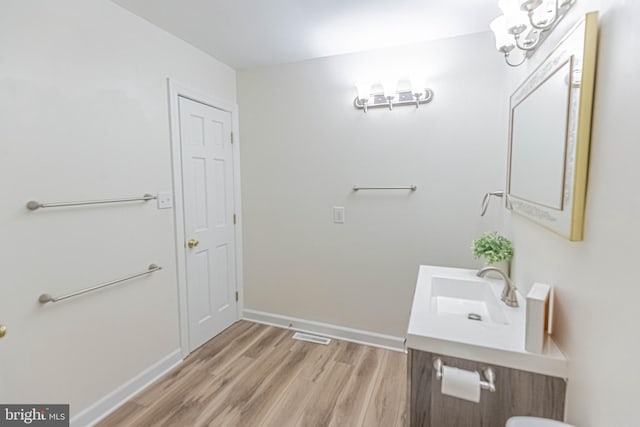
(509, 296)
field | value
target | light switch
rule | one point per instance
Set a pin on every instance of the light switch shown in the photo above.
(338, 214)
(165, 200)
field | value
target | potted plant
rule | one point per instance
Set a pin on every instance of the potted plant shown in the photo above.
(496, 250)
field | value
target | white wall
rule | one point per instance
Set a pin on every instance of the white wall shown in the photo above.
(304, 146)
(597, 289)
(84, 115)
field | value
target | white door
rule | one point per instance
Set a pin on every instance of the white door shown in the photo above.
(207, 185)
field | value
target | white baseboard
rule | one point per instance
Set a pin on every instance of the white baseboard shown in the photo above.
(325, 329)
(119, 396)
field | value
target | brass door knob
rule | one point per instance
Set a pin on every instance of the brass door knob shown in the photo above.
(3, 331)
(192, 243)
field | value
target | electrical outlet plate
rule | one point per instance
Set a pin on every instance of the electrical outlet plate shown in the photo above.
(338, 215)
(165, 200)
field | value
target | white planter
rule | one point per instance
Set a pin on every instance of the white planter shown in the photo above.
(502, 265)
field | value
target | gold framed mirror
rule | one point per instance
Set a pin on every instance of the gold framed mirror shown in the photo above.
(550, 130)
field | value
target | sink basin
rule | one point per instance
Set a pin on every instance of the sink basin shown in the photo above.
(465, 298)
(439, 323)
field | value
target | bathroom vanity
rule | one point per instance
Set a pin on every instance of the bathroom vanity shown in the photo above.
(457, 320)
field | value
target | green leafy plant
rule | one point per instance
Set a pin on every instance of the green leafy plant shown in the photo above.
(492, 247)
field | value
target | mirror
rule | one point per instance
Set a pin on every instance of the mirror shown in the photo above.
(549, 135)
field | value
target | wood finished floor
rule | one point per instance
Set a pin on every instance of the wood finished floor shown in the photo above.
(256, 375)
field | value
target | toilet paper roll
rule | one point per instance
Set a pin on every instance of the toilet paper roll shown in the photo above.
(461, 383)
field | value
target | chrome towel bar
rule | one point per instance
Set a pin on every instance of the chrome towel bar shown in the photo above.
(45, 298)
(33, 205)
(403, 187)
(488, 373)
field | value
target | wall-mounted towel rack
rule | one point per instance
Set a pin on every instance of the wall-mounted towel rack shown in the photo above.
(33, 205)
(45, 298)
(402, 187)
(487, 198)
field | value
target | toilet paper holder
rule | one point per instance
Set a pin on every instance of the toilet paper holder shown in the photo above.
(489, 384)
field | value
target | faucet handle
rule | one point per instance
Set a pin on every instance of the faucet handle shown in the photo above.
(509, 295)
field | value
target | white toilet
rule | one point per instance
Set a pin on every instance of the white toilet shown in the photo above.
(534, 422)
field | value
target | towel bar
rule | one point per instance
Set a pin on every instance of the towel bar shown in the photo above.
(404, 187)
(45, 298)
(33, 205)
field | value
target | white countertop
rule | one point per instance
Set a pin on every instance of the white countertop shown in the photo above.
(492, 343)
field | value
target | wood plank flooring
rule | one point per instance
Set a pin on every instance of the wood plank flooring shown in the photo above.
(256, 375)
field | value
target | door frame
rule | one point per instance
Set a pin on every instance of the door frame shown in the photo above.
(176, 90)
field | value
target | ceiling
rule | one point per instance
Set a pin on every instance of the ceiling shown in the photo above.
(253, 33)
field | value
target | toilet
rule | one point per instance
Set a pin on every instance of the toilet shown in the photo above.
(534, 422)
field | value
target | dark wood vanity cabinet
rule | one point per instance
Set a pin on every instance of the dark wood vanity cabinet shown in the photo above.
(517, 393)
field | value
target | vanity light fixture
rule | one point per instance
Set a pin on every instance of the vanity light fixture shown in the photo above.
(525, 24)
(390, 96)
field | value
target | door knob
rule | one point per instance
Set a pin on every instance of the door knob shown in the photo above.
(3, 331)
(192, 243)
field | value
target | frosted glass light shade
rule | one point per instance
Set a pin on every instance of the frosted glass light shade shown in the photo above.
(529, 5)
(504, 40)
(389, 87)
(516, 19)
(509, 6)
(418, 84)
(404, 85)
(364, 90)
(517, 22)
(545, 13)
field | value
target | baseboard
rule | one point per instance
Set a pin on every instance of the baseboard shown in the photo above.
(325, 329)
(119, 396)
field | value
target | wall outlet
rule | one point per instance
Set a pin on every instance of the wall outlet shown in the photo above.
(165, 200)
(338, 215)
